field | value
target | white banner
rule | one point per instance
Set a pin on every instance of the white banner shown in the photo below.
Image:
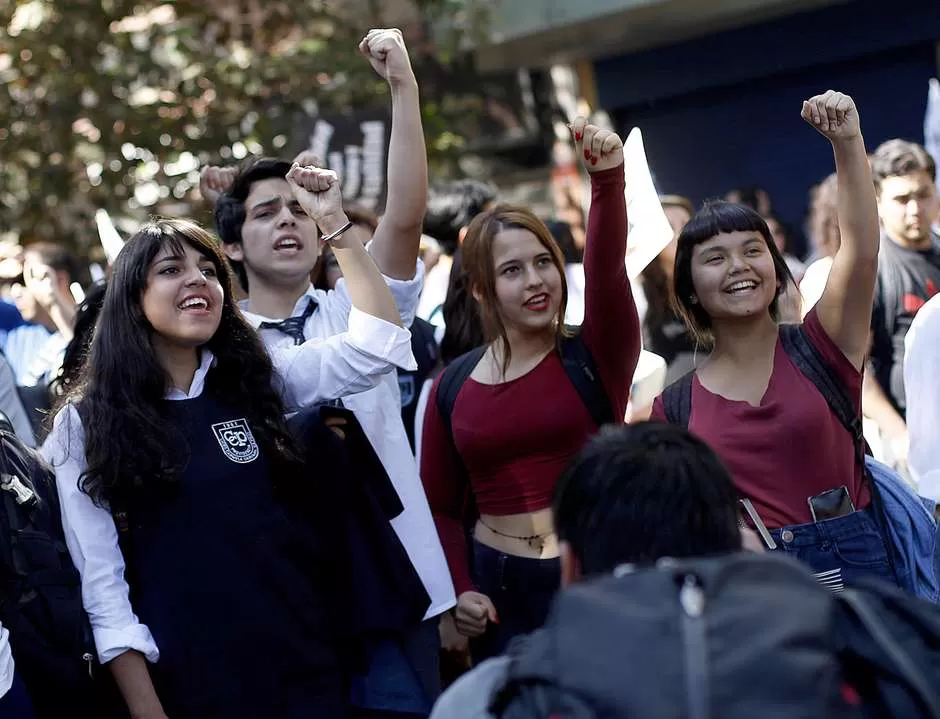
(110, 239)
(932, 120)
(649, 229)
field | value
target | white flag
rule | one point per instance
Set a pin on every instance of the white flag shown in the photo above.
(649, 231)
(110, 239)
(932, 120)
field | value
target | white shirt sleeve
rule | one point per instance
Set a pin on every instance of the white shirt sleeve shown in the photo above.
(922, 388)
(348, 363)
(6, 662)
(407, 293)
(93, 543)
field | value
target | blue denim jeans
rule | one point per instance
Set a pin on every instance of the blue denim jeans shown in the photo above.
(520, 588)
(15, 704)
(839, 550)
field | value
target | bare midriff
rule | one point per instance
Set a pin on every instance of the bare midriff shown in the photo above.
(530, 534)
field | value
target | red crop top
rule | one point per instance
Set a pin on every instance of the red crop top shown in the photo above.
(515, 438)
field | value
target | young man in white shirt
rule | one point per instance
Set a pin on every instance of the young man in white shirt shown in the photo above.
(274, 250)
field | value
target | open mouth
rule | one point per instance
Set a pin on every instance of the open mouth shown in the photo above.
(539, 303)
(741, 288)
(194, 304)
(288, 243)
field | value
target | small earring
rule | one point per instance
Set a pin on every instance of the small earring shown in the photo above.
(693, 299)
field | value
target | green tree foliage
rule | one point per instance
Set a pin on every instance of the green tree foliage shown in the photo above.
(115, 104)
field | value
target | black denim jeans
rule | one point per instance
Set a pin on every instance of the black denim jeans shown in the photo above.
(520, 588)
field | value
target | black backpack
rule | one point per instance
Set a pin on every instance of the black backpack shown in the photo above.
(40, 590)
(736, 636)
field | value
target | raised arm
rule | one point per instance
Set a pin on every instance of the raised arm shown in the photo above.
(611, 328)
(398, 237)
(845, 307)
(318, 192)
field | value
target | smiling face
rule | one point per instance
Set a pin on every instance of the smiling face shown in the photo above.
(734, 276)
(280, 243)
(183, 298)
(528, 283)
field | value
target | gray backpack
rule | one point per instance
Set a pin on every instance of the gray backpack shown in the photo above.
(740, 636)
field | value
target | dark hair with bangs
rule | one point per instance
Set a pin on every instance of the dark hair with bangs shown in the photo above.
(132, 447)
(717, 217)
(230, 209)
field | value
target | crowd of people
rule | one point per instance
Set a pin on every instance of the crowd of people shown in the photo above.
(323, 463)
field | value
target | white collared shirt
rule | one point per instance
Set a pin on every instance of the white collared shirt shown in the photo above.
(309, 373)
(379, 412)
(6, 662)
(922, 383)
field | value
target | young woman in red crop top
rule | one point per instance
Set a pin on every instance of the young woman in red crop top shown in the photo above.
(518, 420)
(767, 421)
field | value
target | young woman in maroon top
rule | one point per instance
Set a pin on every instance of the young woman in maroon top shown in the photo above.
(767, 421)
(518, 420)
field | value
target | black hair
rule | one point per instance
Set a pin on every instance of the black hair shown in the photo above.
(641, 492)
(895, 158)
(133, 450)
(230, 209)
(451, 207)
(76, 353)
(715, 218)
(563, 235)
(463, 326)
(56, 256)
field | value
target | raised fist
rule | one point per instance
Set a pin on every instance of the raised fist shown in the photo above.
(318, 191)
(307, 158)
(833, 114)
(215, 181)
(599, 149)
(386, 52)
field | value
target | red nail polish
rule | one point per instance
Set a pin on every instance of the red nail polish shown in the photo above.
(577, 136)
(587, 154)
(594, 160)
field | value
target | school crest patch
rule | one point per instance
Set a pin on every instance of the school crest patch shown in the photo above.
(236, 440)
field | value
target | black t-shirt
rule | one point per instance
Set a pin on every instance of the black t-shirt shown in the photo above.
(906, 280)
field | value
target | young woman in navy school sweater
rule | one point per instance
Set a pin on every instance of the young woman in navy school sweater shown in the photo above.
(208, 593)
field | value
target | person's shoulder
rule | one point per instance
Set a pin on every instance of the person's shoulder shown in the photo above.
(469, 697)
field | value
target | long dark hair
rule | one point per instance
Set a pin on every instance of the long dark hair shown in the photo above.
(131, 447)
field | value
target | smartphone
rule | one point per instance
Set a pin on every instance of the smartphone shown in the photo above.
(831, 504)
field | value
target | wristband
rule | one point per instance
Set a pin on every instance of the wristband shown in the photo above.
(333, 235)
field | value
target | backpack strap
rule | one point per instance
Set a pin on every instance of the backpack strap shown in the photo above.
(677, 401)
(452, 379)
(582, 371)
(811, 365)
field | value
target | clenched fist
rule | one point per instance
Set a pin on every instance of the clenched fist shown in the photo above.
(474, 611)
(833, 114)
(386, 52)
(216, 181)
(599, 149)
(318, 191)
